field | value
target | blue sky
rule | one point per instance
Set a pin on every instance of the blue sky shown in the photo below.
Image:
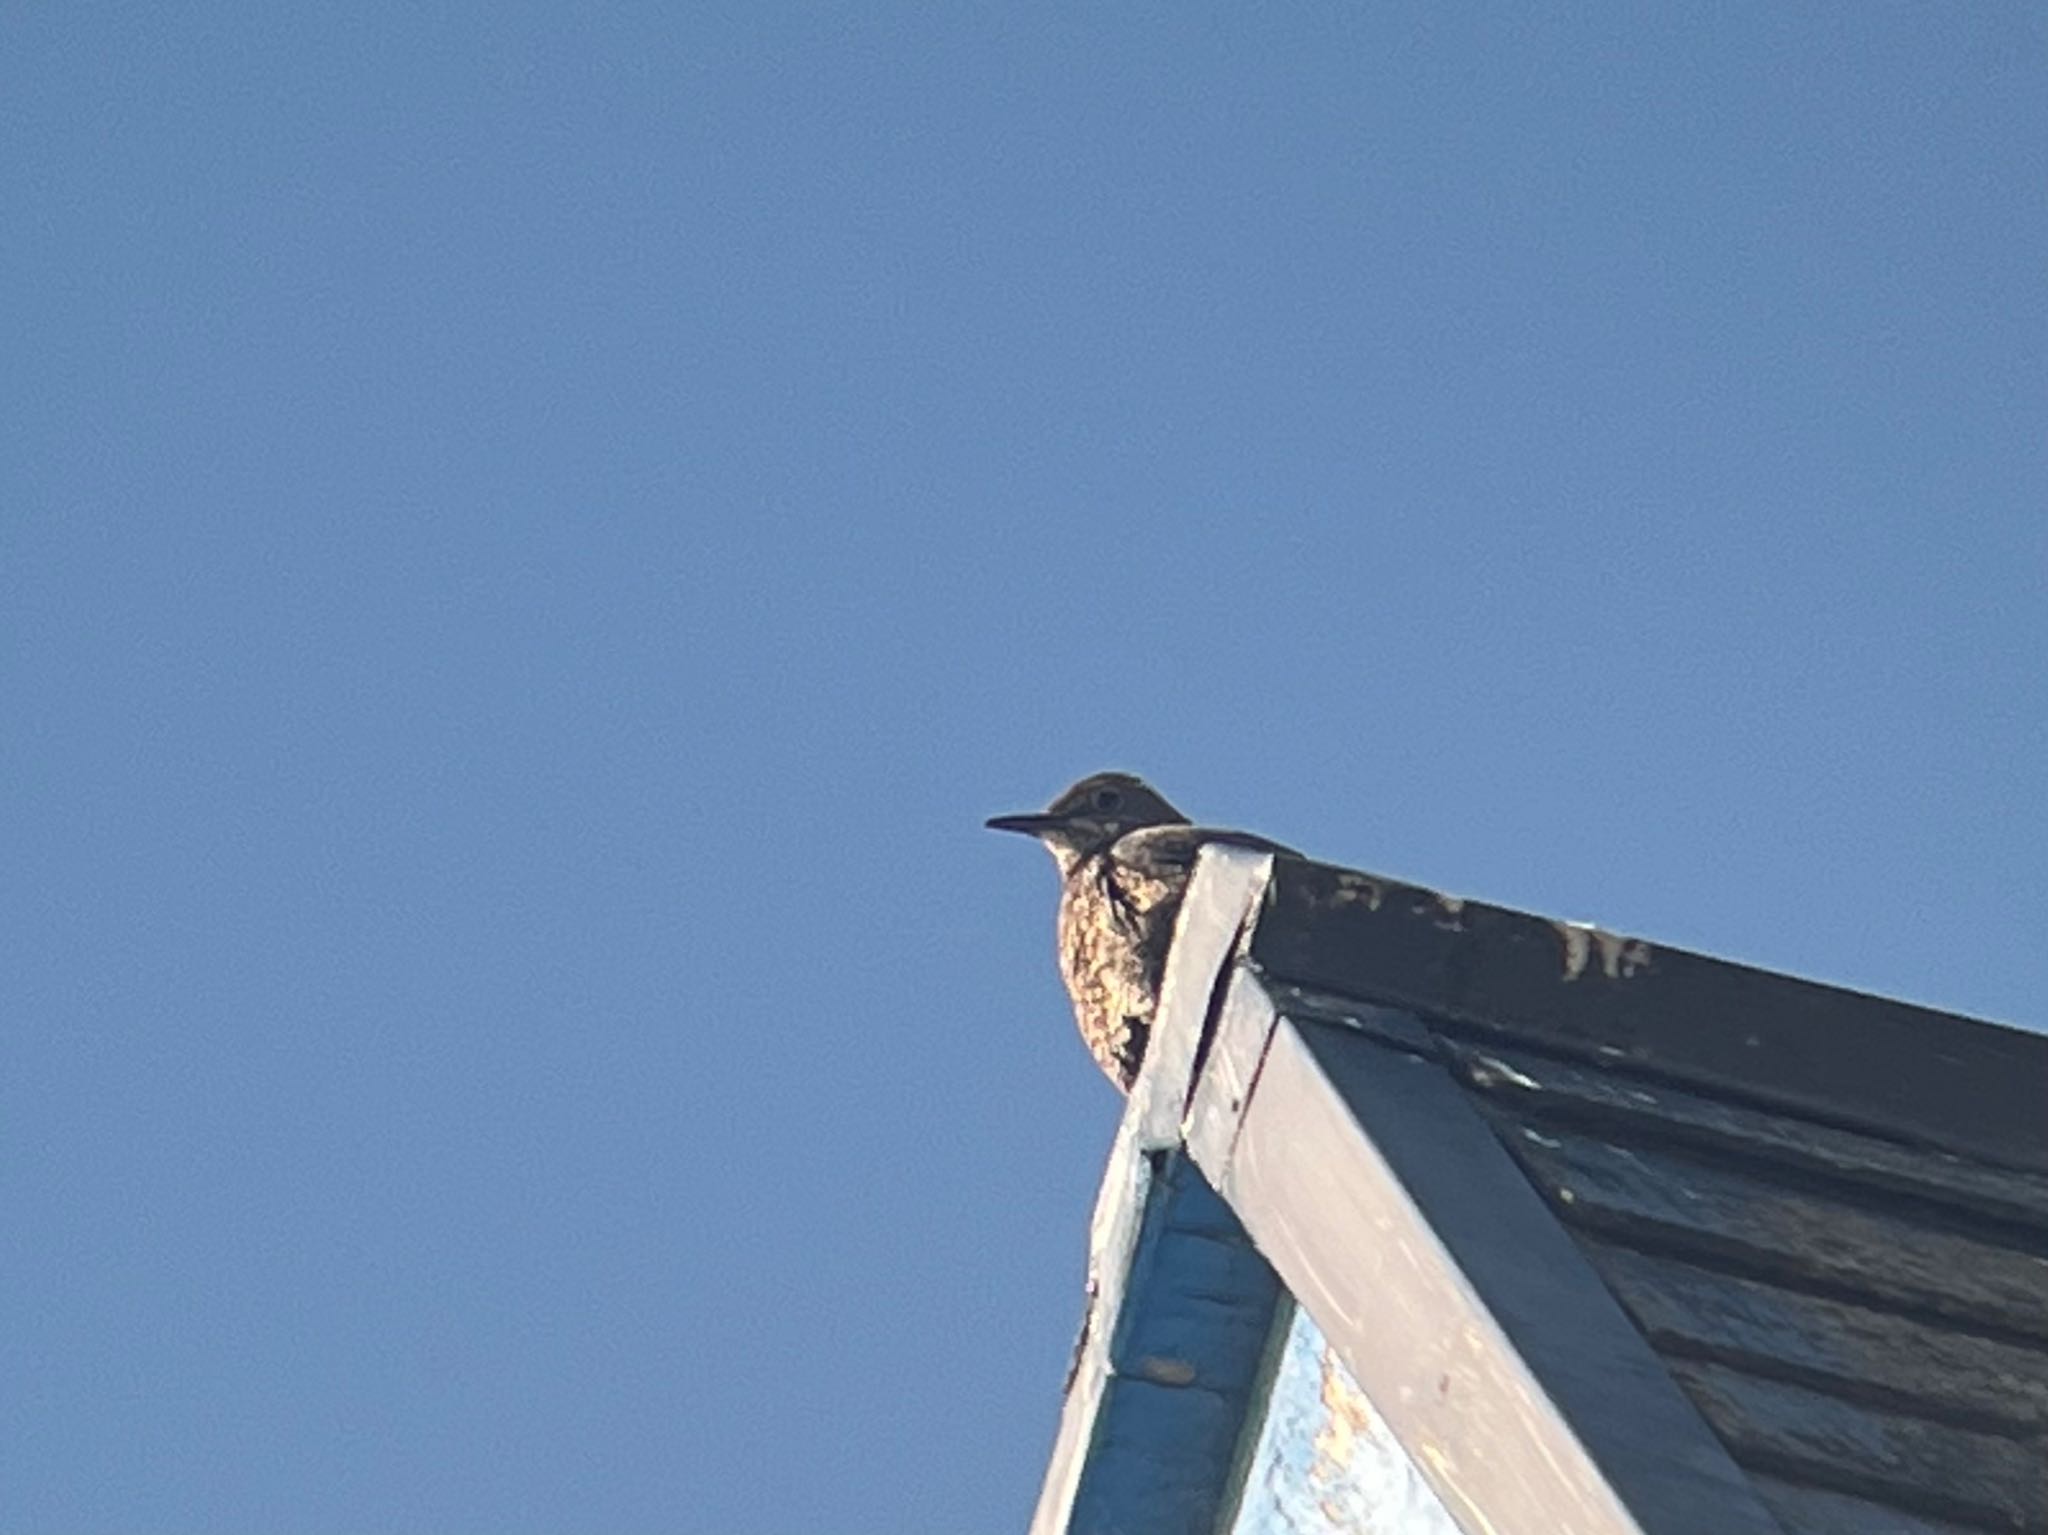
(530, 542)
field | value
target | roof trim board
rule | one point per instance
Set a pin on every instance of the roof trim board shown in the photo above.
(1494, 1352)
(1858, 1061)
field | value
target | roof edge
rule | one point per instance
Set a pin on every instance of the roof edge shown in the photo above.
(1481, 1335)
(1865, 1062)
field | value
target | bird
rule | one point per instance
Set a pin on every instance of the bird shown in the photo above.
(1125, 856)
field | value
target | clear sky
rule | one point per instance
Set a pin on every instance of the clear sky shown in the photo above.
(531, 537)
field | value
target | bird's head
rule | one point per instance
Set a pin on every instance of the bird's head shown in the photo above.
(1092, 815)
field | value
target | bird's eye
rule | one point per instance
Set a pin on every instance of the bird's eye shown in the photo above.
(1108, 799)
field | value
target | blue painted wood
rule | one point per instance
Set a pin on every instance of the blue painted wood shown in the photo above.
(1325, 1462)
(1183, 1362)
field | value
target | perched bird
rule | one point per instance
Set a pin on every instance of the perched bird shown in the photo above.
(1125, 856)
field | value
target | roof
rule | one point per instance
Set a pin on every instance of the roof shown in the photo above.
(1581, 1233)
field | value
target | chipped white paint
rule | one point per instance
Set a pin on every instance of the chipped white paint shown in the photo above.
(1541, 1140)
(1445, 911)
(1578, 946)
(1356, 888)
(1620, 958)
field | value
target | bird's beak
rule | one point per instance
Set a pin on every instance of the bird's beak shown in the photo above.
(1030, 825)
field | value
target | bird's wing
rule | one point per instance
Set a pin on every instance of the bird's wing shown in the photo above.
(1167, 853)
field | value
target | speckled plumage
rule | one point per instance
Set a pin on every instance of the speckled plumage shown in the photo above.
(1125, 856)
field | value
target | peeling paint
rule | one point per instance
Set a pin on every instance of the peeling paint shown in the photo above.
(1620, 958)
(1444, 911)
(1578, 944)
(1356, 888)
(1347, 1415)
(1326, 1462)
